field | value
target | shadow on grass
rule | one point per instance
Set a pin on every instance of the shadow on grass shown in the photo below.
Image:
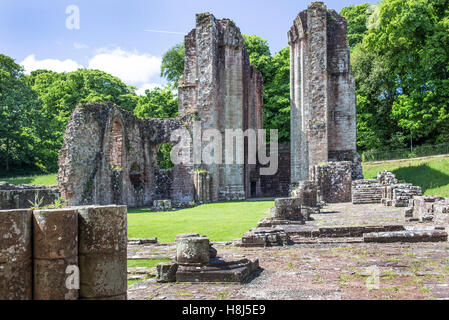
(423, 176)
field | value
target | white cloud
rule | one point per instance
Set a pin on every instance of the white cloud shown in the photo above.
(130, 67)
(30, 64)
(141, 90)
(79, 45)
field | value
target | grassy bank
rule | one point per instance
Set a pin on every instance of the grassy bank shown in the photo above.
(431, 174)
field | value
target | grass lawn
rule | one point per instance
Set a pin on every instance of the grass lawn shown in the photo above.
(147, 263)
(221, 221)
(431, 174)
(46, 180)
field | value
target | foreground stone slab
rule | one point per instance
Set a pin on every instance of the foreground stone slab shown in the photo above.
(406, 236)
(102, 251)
(55, 248)
(15, 255)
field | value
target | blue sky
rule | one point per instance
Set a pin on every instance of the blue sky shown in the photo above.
(112, 34)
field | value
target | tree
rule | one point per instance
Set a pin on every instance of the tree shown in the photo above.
(18, 115)
(158, 103)
(276, 82)
(172, 67)
(60, 93)
(357, 17)
(401, 65)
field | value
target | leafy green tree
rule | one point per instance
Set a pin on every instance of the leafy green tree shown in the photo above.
(357, 17)
(400, 64)
(158, 103)
(172, 67)
(277, 96)
(18, 116)
(276, 81)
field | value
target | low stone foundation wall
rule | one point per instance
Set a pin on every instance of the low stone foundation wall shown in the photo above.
(428, 208)
(64, 254)
(399, 195)
(24, 196)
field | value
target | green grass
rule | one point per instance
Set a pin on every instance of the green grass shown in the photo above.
(221, 221)
(431, 174)
(46, 180)
(146, 263)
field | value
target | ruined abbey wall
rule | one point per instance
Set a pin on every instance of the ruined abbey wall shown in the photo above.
(322, 89)
(226, 91)
(109, 156)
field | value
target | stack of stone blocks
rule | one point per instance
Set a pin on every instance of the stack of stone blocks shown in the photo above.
(64, 254)
(428, 208)
(386, 189)
(334, 181)
(394, 193)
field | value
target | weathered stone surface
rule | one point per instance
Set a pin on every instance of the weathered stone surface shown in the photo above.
(103, 251)
(55, 233)
(287, 208)
(322, 93)
(265, 237)
(399, 194)
(226, 91)
(186, 235)
(306, 191)
(102, 229)
(15, 255)
(24, 196)
(49, 279)
(103, 275)
(162, 205)
(202, 180)
(16, 280)
(334, 181)
(406, 236)
(366, 191)
(220, 269)
(15, 235)
(428, 208)
(109, 156)
(193, 250)
(386, 178)
(135, 241)
(166, 272)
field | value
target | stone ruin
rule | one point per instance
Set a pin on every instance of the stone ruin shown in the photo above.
(386, 189)
(322, 93)
(115, 162)
(43, 252)
(25, 196)
(197, 261)
(428, 208)
(109, 155)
